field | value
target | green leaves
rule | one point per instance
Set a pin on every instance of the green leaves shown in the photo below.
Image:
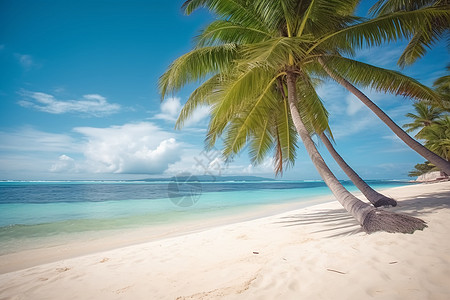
(437, 137)
(224, 31)
(242, 58)
(197, 65)
(386, 28)
(427, 115)
(237, 11)
(276, 52)
(380, 79)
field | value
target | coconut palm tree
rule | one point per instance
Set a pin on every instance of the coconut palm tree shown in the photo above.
(423, 37)
(257, 46)
(437, 137)
(426, 116)
(322, 42)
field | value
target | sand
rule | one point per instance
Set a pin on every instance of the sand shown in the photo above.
(317, 252)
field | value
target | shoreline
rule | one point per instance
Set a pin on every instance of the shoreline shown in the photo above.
(85, 243)
(262, 258)
(53, 248)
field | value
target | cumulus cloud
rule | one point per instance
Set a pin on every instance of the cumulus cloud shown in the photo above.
(141, 148)
(92, 104)
(134, 148)
(170, 109)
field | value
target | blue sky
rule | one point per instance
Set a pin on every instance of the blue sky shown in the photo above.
(79, 98)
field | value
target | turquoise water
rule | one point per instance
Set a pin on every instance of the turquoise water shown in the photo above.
(33, 210)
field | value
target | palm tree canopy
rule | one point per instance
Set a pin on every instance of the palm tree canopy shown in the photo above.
(242, 60)
(277, 44)
(438, 137)
(426, 116)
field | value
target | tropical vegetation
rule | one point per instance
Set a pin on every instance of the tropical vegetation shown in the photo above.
(432, 124)
(258, 66)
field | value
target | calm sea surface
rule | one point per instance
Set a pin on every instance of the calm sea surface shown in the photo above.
(42, 209)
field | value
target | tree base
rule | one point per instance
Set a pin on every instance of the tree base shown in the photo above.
(380, 220)
(386, 202)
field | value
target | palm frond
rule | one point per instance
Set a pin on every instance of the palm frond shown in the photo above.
(312, 110)
(387, 28)
(252, 113)
(286, 137)
(275, 52)
(380, 79)
(261, 142)
(224, 31)
(419, 44)
(200, 96)
(383, 7)
(238, 11)
(196, 65)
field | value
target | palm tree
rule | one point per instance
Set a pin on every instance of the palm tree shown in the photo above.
(257, 47)
(423, 37)
(437, 137)
(376, 198)
(426, 116)
(389, 27)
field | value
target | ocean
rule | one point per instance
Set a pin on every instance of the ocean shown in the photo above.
(33, 211)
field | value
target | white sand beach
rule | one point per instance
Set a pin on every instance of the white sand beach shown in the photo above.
(317, 252)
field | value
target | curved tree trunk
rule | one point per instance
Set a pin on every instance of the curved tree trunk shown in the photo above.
(373, 196)
(412, 143)
(370, 218)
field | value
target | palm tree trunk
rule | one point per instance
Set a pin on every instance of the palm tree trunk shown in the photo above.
(373, 196)
(371, 219)
(413, 144)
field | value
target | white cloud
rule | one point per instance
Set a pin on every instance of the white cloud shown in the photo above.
(64, 164)
(135, 148)
(198, 115)
(141, 148)
(171, 108)
(92, 104)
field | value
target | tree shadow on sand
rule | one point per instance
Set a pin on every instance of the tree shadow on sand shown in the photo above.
(337, 222)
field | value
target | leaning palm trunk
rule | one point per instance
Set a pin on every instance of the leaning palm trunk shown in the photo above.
(371, 219)
(413, 144)
(373, 196)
